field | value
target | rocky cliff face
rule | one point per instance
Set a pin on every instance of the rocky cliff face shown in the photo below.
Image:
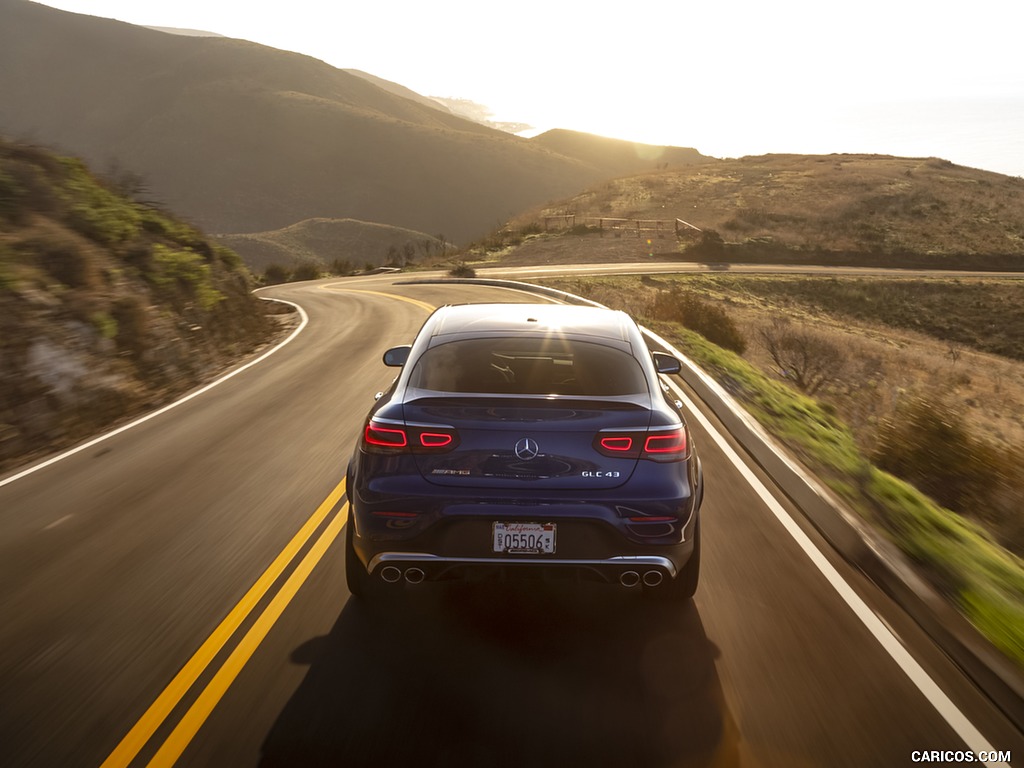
(107, 307)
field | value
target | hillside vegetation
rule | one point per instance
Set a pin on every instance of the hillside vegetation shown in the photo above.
(107, 307)
(871, 210)
(927, 446)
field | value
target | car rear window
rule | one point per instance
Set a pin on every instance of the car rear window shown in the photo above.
(528, 366)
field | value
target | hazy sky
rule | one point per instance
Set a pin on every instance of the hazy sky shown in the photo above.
(729, 77)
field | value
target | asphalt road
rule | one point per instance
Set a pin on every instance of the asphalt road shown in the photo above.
(175, 593)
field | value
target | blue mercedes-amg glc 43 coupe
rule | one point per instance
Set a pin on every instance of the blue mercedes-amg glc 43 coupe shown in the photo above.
(526, 440)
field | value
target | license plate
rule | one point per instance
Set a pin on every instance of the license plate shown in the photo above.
(524, 538)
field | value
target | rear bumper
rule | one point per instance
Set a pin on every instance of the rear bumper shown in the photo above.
(419, 566)
(404, 530)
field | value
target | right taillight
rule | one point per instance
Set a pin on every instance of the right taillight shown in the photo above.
(666, 444)
(670, 444)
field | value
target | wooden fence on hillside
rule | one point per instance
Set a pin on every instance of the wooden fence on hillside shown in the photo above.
(616, 226)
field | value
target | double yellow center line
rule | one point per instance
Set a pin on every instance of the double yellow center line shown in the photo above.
(186, 729)
(154, 718)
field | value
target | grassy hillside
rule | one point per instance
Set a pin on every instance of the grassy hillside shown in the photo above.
(328, 243)
(107, 307)
(983, 315)
(240, 137)
(925, 447)
(855, 209)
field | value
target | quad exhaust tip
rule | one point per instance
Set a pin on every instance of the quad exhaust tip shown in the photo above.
(653, 578)
(629, 578)
(392, 574)
(650, 578)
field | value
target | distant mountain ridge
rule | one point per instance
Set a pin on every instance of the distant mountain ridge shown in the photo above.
(338, 244)
(239, 137)
(620, 157)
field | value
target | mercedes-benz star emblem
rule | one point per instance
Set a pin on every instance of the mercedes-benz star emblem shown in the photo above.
(527, 449)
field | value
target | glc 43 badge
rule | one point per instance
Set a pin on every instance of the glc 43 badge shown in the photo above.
(600, 474)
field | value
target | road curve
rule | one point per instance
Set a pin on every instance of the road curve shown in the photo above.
(120, 563)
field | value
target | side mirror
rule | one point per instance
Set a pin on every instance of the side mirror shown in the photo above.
(396, 356)
(666, 363)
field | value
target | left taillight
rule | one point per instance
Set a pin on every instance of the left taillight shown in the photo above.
(394, 437)
(377, 435)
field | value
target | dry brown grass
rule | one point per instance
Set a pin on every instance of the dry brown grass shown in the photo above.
(883, 367)
(868, 204)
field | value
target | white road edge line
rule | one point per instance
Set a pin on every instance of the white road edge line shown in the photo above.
(949, 712)
(164, 409)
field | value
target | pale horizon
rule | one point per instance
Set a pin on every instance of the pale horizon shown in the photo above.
(729, 79)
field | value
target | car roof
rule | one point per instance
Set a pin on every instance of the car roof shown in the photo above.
(541, 319)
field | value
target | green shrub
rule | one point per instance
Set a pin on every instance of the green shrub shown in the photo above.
(929, 444)
(276, 274)
(10, 197)
(132, 321)
(104, 324)
(711, 246)
(462, 269)
(307, 270)
(64, 257)
(8, 274)
(157, 223)
(709, 320)
(95, 211)
(341, 267)
(231, 260)
(959, 557)
(187, 271)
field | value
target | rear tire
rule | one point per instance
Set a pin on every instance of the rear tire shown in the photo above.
(356, 577)
(683, 587)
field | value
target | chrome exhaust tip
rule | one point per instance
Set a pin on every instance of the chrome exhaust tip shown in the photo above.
(629, 578)
(390, 574)
(414, 575)
(653, 578)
